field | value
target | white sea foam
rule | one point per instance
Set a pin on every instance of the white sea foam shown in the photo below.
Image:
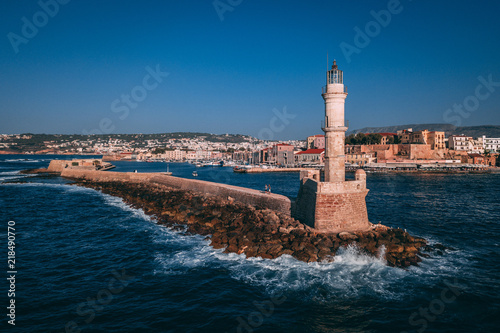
(8, 178)
(351, 274)
(3, 173)
(118, 202)
(13, 174)
(25, 160)
(65, 187)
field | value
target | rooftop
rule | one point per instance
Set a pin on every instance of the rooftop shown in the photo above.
(385, 134)
(311, 151)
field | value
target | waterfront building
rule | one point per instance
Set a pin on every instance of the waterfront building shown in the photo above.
(174, 155)
(419, 137)
(461, 143)
(436, 139)
(491, 144)
(479, 159)
(405, 135)
(316, 141)
(362, 154)
(359, 158)
(282, 154)
(385, 140)
(264, 156)
(191, 155)
(310, 156)
(478, 145)
(202, 154)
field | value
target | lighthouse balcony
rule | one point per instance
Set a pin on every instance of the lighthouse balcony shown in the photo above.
(334, 89)
(330, 126)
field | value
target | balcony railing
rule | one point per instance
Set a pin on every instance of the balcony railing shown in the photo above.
(346, 124)
(323, 89)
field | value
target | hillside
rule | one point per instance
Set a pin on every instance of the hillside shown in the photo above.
(491, 131)
(29, 142)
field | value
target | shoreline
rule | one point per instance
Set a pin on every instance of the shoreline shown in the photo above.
(262, 170)
(494, 171)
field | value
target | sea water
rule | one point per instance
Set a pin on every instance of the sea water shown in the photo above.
(87, 262)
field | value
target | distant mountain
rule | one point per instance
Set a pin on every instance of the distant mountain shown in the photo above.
(491, 131)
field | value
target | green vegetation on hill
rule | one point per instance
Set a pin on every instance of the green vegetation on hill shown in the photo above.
(362, 139)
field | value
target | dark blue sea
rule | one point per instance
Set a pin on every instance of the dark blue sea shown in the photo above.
(86, 262)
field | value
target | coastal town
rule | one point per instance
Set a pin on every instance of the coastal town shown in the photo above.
(404, 150)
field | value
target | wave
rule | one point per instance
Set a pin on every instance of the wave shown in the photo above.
(9, 178)
(351, 274)
(25, 160)
(64, 187)
(118, 202)
(15, 172)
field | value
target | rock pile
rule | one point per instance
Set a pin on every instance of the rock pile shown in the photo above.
(257, 231)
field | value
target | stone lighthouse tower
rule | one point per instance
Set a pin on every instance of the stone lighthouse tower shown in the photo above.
(334, 94)
(335, 204)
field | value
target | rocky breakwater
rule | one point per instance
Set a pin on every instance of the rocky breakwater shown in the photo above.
(257, 231)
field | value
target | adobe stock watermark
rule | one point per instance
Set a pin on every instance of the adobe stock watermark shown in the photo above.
(471, 103)
(277, 124)
(223, 6)
(372, 29)
(426, 315)
(256, 318)
(103, 297)
(122, 105)
(30, 28)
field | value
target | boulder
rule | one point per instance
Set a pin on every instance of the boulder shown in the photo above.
(232, 248)
(345, 236)
(275, 250)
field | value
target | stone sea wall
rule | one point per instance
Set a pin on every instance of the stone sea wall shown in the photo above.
(279, 203)
(244, 221)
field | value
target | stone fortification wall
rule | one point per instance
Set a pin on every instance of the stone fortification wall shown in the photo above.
(332, 206)
(420, 152)
(57, 165)
(60, 165)
(106, 176)
(342, 187)
(305, 205)
(275, 202)
(336, 212)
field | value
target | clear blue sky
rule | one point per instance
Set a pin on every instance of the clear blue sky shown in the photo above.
(227, 76)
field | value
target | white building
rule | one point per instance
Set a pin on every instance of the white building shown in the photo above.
(491, 144)
(175, 155)
(478, 146)
(461, 143)
(191, 155)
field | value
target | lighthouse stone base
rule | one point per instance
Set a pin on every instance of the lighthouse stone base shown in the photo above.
(332, 206)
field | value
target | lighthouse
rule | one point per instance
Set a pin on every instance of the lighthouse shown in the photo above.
(335, 204)
(334, 94)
